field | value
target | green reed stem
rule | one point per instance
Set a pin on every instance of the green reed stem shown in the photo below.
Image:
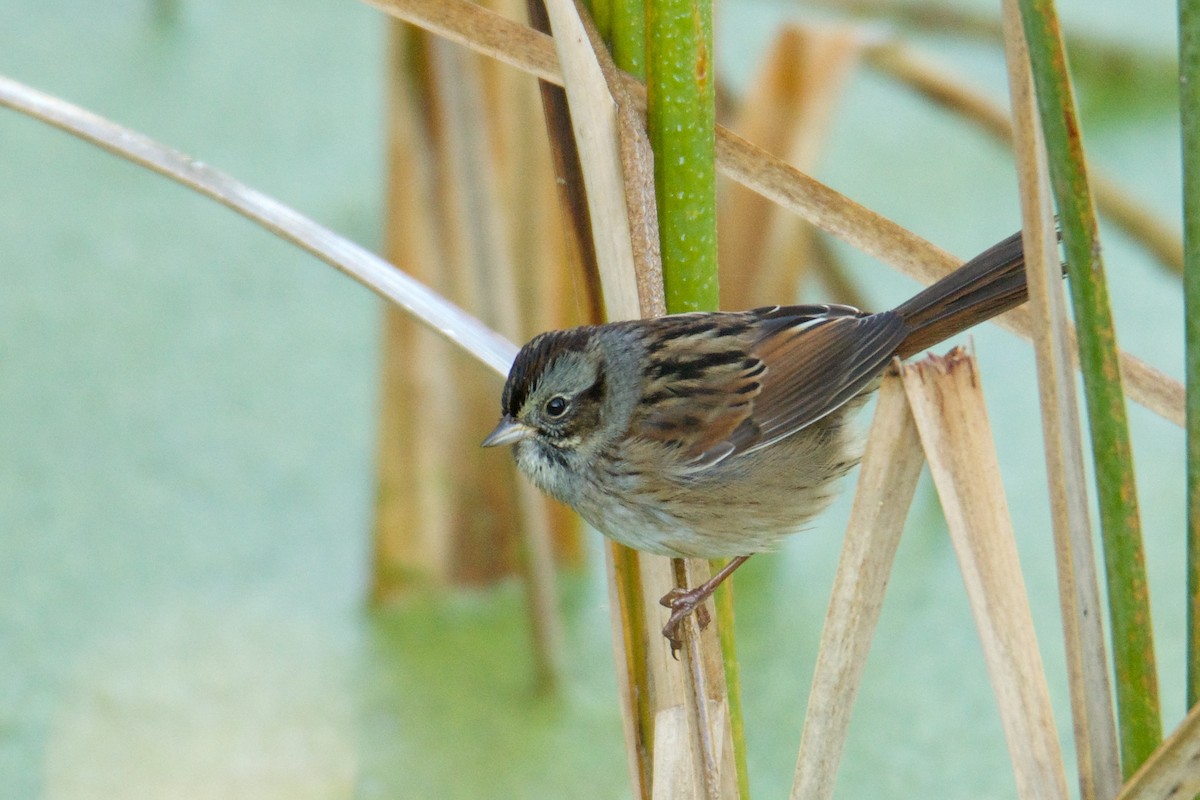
(1189, 108)
(1128, 593)
(628, 40)
(681, 121)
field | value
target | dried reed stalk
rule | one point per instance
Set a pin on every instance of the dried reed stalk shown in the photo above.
(1097, 752)
(568, 179)
(443, 513)
(951, 418)
(413, 472)
(430, 228)
(766, 252)
(514, 44)
(886, 482)
(683, 744)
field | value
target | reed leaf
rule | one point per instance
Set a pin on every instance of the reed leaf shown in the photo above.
(1189, 106)
(591, 111)
(1097, 752)
(1139, 718)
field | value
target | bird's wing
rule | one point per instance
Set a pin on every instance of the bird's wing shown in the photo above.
(767, 374)
(814, 366)
(700, 380)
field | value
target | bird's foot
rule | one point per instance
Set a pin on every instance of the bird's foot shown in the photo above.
(683, 602)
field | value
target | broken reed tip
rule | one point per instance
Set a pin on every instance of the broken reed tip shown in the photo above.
(957, 358)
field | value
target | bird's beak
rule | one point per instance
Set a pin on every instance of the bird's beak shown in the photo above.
(508, 431)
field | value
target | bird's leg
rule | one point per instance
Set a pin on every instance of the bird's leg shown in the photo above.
(684, 601)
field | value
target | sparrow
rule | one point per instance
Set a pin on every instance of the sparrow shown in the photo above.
(717, 434)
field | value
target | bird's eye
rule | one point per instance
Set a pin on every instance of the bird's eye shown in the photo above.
(556, 406)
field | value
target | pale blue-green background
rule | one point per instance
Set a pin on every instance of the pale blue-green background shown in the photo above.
(186, 417)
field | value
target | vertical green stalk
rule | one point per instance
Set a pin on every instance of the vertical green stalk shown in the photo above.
(681, 120)
(628, 40)
(1189, 108)
(1128, 592)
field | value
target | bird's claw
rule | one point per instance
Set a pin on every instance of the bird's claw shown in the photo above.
(683, 602)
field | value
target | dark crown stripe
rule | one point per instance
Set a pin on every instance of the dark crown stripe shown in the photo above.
(533, 360)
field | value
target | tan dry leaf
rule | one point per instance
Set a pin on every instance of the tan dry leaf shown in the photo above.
(947, 403)
(886, 482)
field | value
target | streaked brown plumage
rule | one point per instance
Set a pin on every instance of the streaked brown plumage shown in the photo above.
(717, 434)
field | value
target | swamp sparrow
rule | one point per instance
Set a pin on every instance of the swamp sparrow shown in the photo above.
(713, 435)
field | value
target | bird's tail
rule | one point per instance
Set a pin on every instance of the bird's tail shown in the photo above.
(989, 284)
